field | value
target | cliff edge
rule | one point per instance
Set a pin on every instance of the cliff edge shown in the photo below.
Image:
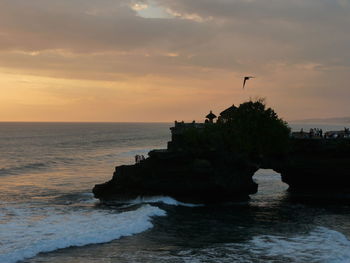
(209, 162)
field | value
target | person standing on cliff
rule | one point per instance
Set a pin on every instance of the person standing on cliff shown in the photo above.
(311, 134)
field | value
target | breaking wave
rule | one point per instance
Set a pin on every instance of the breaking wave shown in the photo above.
(25, 235)
(160, 199)
(320, 245)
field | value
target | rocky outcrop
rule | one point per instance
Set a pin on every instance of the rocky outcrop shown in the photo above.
(317, 165)
(206, 177)
(312, 165)
(208, 162)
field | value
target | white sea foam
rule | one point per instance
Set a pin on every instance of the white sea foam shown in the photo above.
(25, 235)
(161, 199)
(320, 245)
(88, 198)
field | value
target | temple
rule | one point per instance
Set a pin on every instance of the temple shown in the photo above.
(226, 114)
(210, 117)
(216, 161)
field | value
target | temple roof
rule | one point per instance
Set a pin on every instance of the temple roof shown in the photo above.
(211, 116)
(228, 111)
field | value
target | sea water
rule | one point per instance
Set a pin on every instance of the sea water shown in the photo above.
(48, 213)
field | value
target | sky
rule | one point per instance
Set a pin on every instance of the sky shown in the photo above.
(166, 60)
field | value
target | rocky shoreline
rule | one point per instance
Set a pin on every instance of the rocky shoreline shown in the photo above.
(186, 177)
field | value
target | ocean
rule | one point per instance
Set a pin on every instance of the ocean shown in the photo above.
(48, 213)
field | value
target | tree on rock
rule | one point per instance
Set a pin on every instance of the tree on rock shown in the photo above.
(255, 129)
(250, 129)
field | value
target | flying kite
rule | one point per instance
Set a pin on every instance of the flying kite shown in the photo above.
(245, 80)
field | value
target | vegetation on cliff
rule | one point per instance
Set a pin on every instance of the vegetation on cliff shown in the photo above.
(252, 129)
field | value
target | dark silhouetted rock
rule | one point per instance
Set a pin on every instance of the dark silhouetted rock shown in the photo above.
(216, 161)
(202, 178)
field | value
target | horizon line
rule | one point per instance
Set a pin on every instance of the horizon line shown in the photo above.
(86, 121)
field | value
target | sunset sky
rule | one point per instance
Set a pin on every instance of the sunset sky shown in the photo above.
(161, 60)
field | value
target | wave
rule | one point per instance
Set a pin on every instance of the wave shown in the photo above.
(320, 245)
(38, 166)
(24, 237)
(21, 168)
(160, 199)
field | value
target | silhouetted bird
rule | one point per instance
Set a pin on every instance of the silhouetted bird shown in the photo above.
(245, 80)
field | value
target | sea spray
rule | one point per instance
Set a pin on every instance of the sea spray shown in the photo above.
(161, 199)
(320, 245)
(23, 237)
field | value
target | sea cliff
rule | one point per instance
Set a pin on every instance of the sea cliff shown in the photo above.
(317, 165)
(184, 176)
(209, 162)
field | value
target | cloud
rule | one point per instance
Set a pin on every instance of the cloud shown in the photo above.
(244, 32)
(94, 26)
(301, 30)
(299, 49)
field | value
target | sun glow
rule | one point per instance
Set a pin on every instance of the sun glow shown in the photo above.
(152, 60)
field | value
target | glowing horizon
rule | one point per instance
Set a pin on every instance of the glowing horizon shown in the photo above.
(162, 60)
